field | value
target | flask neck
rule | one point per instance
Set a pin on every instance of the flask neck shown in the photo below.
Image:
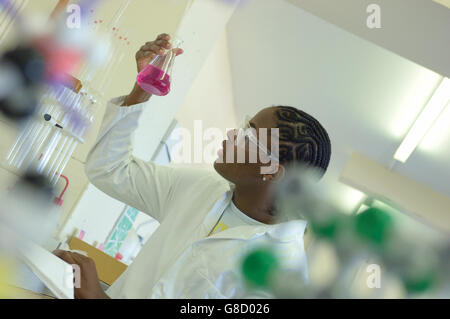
(176, 43)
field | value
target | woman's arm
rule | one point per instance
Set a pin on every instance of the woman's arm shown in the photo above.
(136, 96)
(110, 165)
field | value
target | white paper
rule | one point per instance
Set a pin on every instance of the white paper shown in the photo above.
(54, 272)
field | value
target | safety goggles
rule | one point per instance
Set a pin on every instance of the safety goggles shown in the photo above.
(247, 135)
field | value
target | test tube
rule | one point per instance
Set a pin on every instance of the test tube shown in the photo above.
(50, 148)
(64, 123)
(89, 70)
(53, 177)
(107, 79)
(121, 44)
(38, 140)
(89, 73)
(118, 14)
(11, 11)
(35, 148)
(50, 169)
(25, 133)
(65, 161)
(59, 162)
(36, 144)
(31, 135)
(68, 128)
(6, 6)
(19, 140)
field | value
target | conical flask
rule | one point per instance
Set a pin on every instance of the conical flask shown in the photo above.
(156, 77)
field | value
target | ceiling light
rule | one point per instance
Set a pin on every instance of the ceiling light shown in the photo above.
(426, 119)
(443, 2)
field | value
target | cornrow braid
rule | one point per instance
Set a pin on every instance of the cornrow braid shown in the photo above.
(302, 139)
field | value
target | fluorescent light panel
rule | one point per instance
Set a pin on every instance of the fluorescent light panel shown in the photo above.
(426, 119)
(443, 2)
(362, 208)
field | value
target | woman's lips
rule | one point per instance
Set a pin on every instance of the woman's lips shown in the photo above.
(220, 151)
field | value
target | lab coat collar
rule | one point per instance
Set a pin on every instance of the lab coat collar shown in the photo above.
(214, 214)
(288, 231)
(245, 232)
(283, 232)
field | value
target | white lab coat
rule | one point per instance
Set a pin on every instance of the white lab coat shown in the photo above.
(179, 261)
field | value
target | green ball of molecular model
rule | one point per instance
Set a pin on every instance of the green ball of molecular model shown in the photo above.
(326, 229)
(374, 225)
(259, 265)
(419, 283)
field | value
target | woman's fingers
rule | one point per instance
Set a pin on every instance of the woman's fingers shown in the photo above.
(179, 51)
(163, 44)
(153, 48)
(65, 255)
(163, 36)
(159, 42)
(145, 54)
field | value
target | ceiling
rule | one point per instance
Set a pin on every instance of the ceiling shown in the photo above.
(443, 2)
(415, 29)
(366, 96)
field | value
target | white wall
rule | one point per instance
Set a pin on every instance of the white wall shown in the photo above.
(211, 97)
(414, 29)
(95, 214)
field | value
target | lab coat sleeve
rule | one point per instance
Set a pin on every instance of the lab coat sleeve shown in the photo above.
(112, 168)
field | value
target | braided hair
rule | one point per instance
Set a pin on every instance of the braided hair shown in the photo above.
(302, 139)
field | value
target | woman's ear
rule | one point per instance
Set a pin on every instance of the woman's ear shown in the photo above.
(278, 176)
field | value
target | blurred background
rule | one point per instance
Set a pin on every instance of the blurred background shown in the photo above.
(371, 88)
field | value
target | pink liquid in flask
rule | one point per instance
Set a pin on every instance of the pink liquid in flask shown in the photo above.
(151, 80)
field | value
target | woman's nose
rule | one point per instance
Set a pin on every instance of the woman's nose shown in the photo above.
(231, 134)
